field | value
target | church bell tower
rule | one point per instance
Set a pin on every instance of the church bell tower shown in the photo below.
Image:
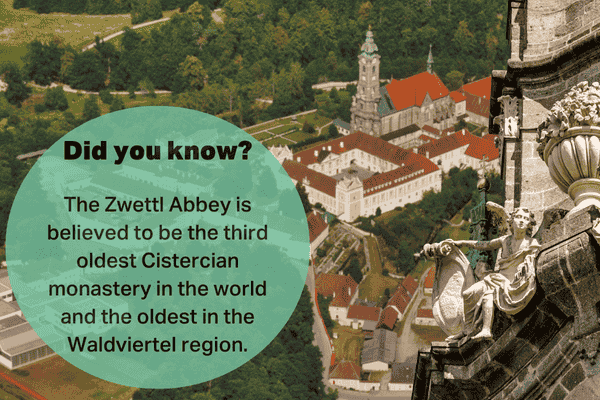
(365, 117)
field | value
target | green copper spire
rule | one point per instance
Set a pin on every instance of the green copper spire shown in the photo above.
(430, 61)
(369, 47)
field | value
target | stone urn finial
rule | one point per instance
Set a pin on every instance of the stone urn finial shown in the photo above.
(570, 144)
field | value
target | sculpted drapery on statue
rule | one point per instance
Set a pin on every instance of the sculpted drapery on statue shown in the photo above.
(463, 307)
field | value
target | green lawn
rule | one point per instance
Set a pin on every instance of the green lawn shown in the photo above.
(373, 286)
(313, 118)
(281, 129)
(262, 127)
(298, 136)
(377, 376)
(76, 102)
(20, 27)
(374, 254)
(261, 136)
(276, 141)
(349, 343)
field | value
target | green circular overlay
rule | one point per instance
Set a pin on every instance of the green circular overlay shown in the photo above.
(157, 247)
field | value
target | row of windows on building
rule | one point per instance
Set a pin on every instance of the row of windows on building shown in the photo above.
(28, 356)
(419, 182)
(392, 194)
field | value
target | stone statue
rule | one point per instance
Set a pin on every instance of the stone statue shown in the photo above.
(510, 286)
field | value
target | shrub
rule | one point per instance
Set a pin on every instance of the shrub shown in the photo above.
(39, 108)
(106, 97)
(55, 99)
(308, 128)
(321, 252)
(117, 104)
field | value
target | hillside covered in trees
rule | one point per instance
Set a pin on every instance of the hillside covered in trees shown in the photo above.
(277, 48)
(288, 368)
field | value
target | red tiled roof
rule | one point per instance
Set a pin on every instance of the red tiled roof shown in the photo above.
(364, 312)
(316, 225)
(407, 161)
(357, 140)
(448, 131)
(410, 285)
(388, 318)
(478, 105)
(411, 91)
(317, 180)
(428, 284)
(481, 88)
(457, 96)
(400, 299)
(426, 138)
(431, 129)
(336, 285)
(345, 370)
(490, 137)
(443, 145)
(425, 313)
(480, 148)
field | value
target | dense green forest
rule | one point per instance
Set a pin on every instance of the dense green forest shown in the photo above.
(279, 48)
(288, 368)
(99, 7)
(264, 48)
(418, 223)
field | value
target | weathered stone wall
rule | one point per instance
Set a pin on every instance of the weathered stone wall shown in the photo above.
(554, 26)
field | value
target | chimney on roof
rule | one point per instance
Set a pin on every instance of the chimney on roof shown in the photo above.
(316, 153)
(323, 147)
(342, 144)
(415, 150)
(349, 292)
(427, 154)
(463, 131)
(328, 148)
(298, 159)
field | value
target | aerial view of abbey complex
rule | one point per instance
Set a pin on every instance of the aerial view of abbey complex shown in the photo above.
(446, 154)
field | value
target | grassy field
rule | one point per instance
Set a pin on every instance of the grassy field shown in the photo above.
(374, 254)
(314, 118)
(19, 27)
(374, 285)
(276, 141)
(8, 391)
(377, 376)
(298, 136)
(349, 343)
(262, 127)
(76, 102)
(55, 379)
(281, 129)
(261, 136)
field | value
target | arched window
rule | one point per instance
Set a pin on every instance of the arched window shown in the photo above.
(373, 68)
